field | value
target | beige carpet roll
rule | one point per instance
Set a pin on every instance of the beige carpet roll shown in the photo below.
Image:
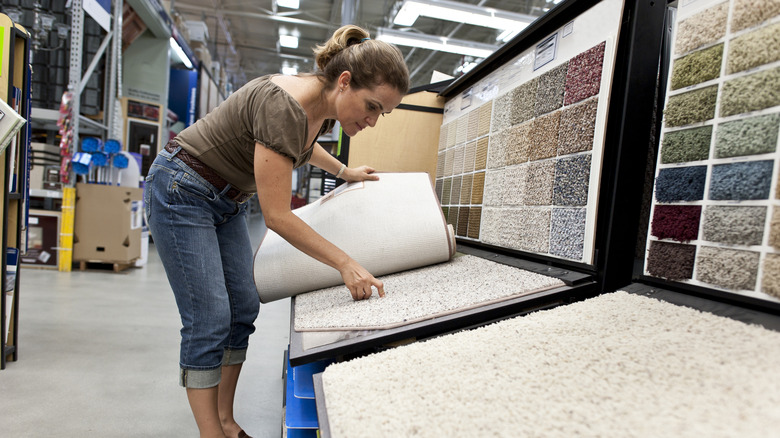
(388, 226)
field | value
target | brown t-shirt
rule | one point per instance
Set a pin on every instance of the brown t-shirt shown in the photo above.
(260, 111)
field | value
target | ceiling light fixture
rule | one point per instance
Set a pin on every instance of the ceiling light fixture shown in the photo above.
(290, 71)
(180, 53)
(288, 41)
(461, 13)
(430, 42)
(292, 4)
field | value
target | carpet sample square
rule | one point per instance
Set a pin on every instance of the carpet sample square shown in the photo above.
(774, 228)
(463, 126)
(480, 161)
(583, 78)
(451, 132)
(519, 143)
(572, 179)
(439, 187)
(539, 180)
(478, 188)
(475, 217)
(753, 49)
(686, 145)
(458, 156)
(750, 136)
(493, 229)
(485, 113)
(616, 365)
(502, 116)
(494, 181)
(473, 125)
(514, 190)
(750, 93)
(734, 225)
(770, 280)
(449, 156)
(440, 164)
(443, 137)
(463, 221)
(552, 85)
(677, 184)
(678, 222)
(452, 217)
(523, 102)
(691, 107)
(701, 29)
(567, 232)
(727, 268)
(749, 13)
(534, 227)
(446, 191)
(741, 181)
(697, 67)
(497, 149)
(578, 123)
(464, 282)
(544, 136)
(456, 186)
(470, 156)
(672, 261)
(465, 189)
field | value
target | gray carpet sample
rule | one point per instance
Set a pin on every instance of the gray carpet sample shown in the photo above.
(572, 179)
(567, 232)
(552, 86)
(741, 181)
(727, 268)
(734, 225)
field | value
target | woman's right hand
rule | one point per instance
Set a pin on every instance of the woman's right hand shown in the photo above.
(359, 281)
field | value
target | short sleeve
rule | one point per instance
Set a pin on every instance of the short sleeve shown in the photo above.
(279, 122)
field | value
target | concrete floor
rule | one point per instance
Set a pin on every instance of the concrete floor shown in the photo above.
(99, 353)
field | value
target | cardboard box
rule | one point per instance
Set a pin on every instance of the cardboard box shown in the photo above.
(108, 225)
(43, 243)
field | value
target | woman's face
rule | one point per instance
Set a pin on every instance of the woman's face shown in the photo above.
(360, 108)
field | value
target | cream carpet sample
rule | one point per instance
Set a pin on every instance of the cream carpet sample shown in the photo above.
(463, 283)
(618, 365)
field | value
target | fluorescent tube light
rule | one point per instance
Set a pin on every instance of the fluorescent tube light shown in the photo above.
(441, 44)
(292, 4)
(180, 54)
(461, 13)
(288, 41)
(291, 71)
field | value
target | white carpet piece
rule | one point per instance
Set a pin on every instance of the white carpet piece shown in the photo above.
(387, 226)
(463, 283)
(618, 365)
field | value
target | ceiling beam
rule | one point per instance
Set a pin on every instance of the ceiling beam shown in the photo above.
(278, 18)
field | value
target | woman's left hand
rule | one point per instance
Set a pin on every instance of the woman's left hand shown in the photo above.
(361, 173)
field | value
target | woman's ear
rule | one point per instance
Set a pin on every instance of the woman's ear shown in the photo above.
(343, 81)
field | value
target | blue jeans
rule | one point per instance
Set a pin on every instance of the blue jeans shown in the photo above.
(202, 238)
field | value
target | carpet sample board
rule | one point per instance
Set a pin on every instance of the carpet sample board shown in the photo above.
(463, 283)
(618, 365)
(719, 153)
(387, 226)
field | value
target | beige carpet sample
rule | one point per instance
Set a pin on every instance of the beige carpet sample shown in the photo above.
(618, 365)
(465, 282)
(388, 226)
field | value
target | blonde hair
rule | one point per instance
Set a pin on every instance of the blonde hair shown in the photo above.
(370, 62)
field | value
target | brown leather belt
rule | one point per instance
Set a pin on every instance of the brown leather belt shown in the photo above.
(208, 174)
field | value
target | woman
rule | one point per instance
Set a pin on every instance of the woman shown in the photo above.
(197, 188)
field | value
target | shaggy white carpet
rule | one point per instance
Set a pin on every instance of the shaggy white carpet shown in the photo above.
(618, 365)
(464, 282)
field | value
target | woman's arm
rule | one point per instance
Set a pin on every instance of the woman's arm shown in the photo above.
(273, 175)
(327, 162)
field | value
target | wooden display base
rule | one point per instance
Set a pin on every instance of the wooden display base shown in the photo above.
(96, 265)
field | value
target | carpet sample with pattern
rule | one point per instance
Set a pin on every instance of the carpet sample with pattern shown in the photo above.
(464, 282)
(617, 365)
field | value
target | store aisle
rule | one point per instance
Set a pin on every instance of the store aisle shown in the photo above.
(99, 356)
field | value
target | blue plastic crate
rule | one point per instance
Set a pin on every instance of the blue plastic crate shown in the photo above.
(300, 413)
(302, 376)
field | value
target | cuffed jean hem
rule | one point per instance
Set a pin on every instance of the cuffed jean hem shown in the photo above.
(200, 379)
